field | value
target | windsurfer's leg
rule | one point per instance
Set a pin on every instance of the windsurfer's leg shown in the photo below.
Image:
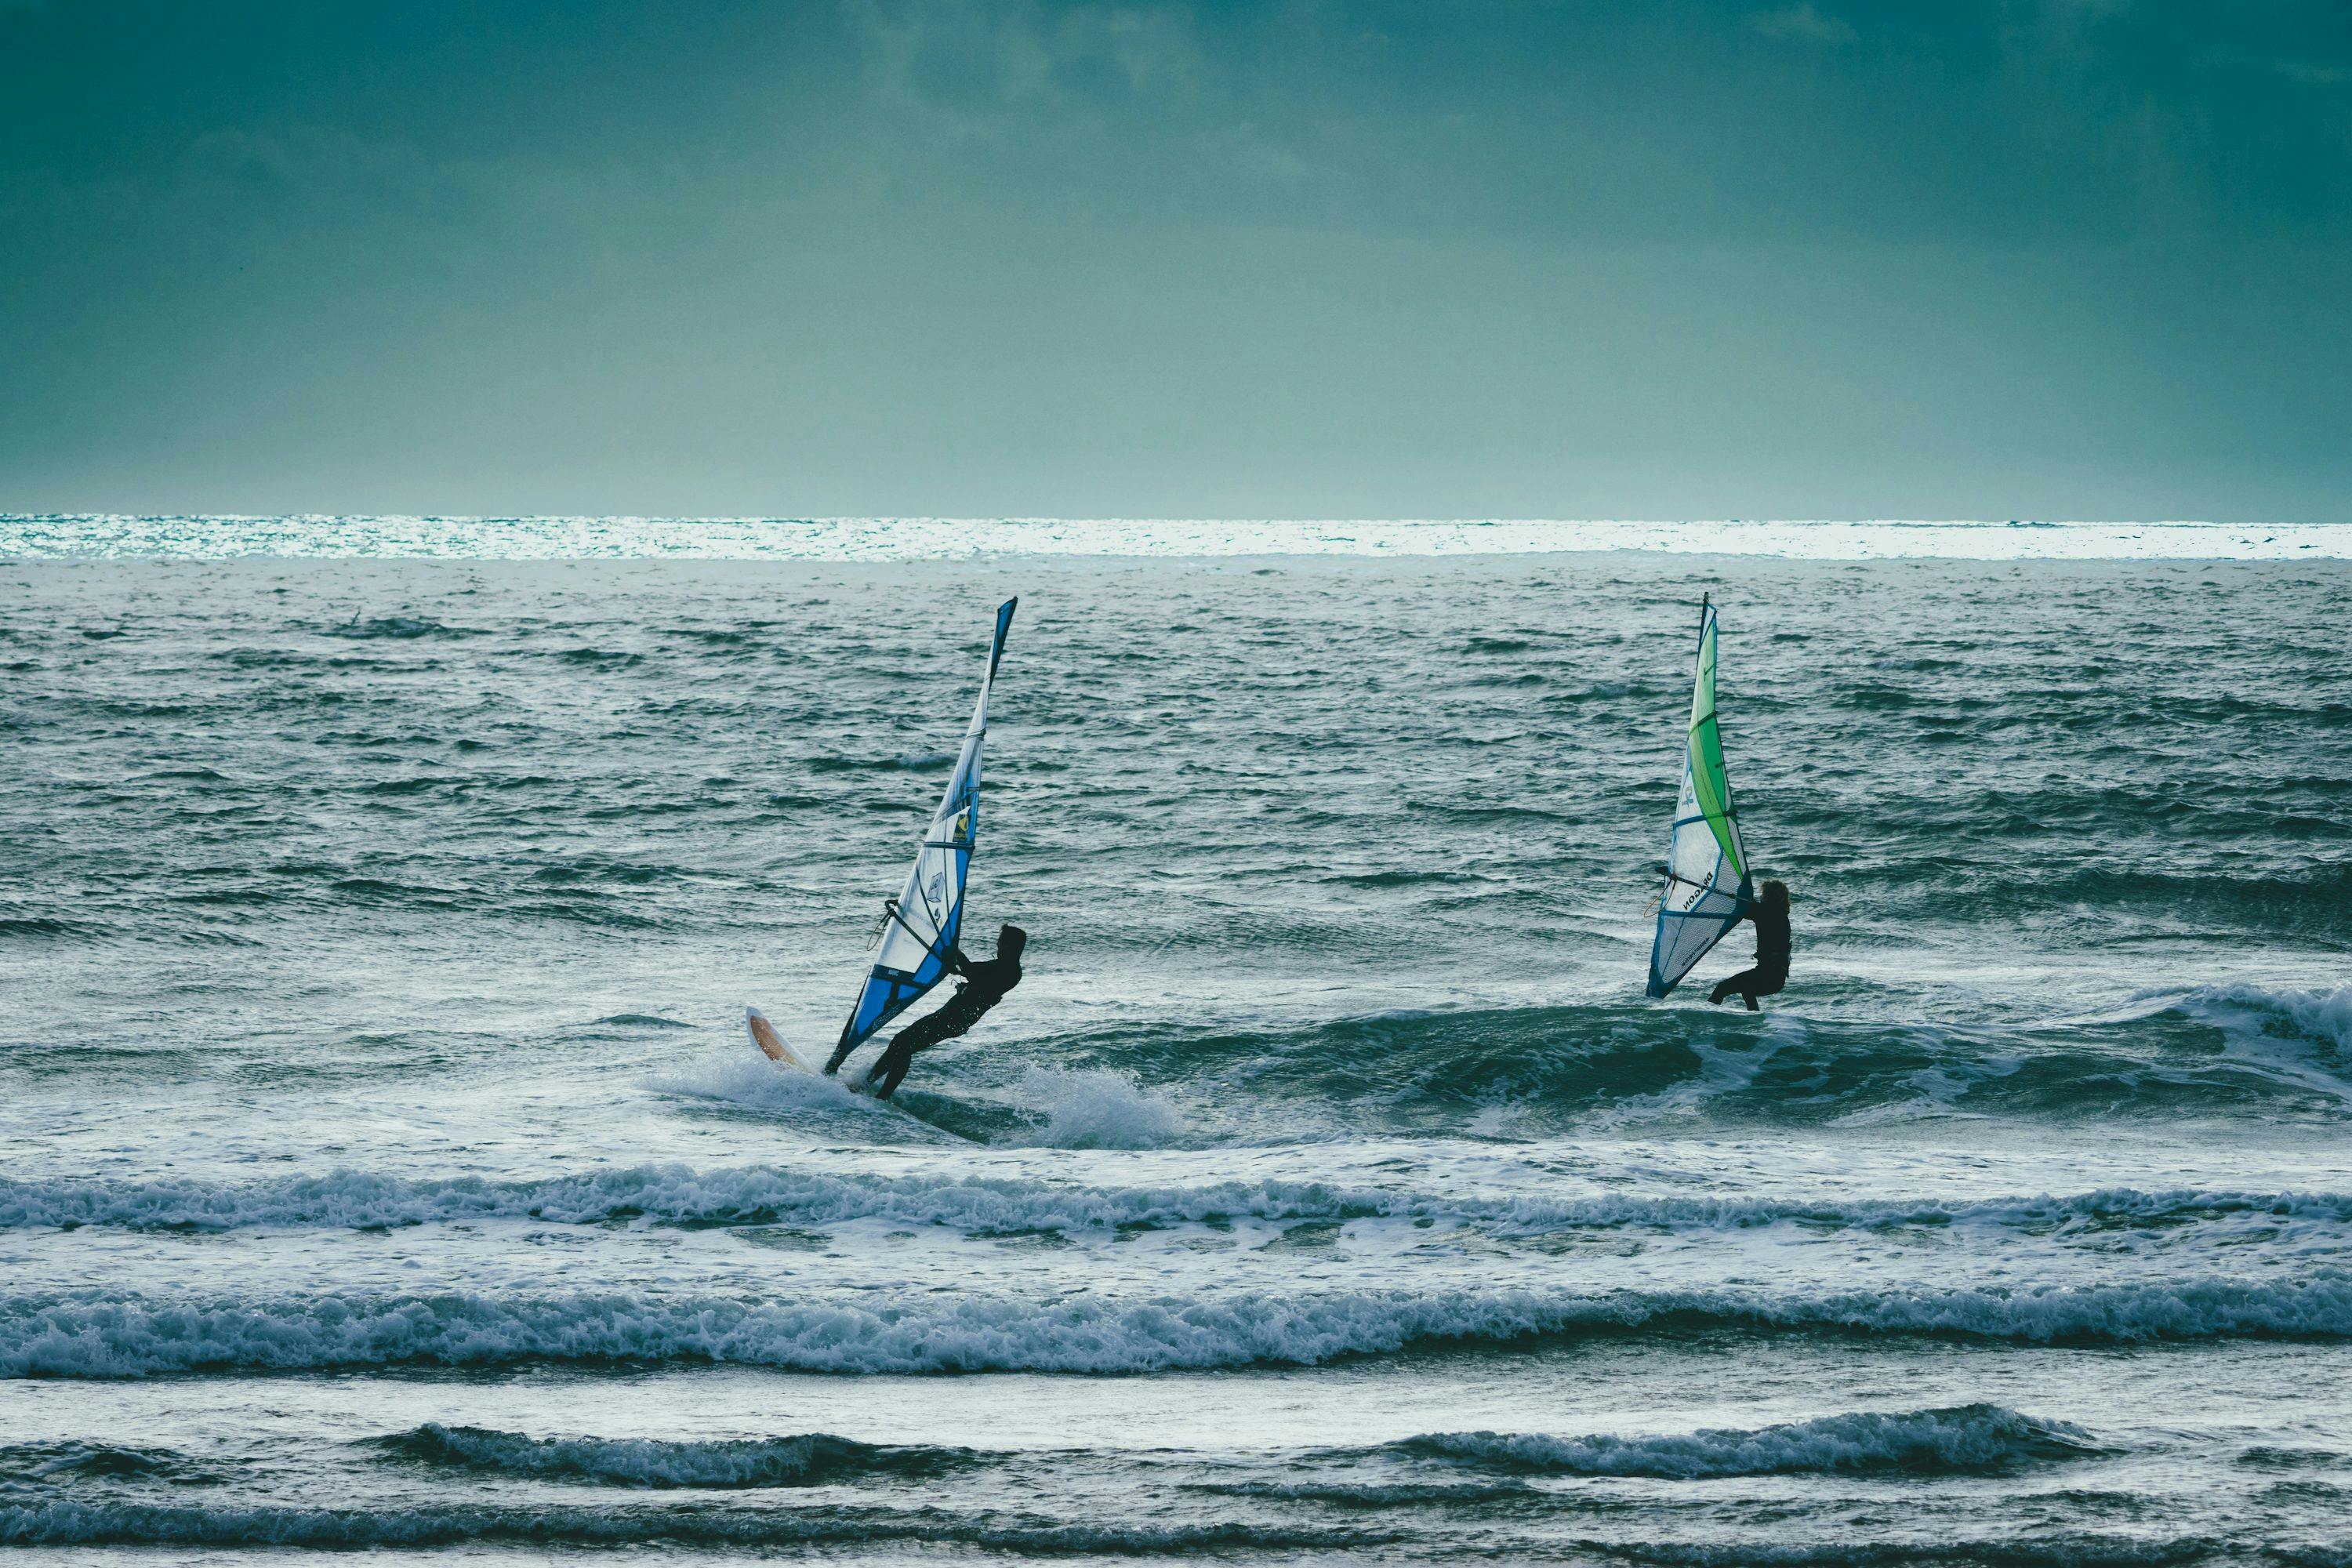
(891, 1070)
(919, 1036)
(1740, 983)
(925, 1033)
(922, 1032)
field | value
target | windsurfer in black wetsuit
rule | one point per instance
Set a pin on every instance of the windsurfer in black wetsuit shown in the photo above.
(1770, 915)
(984, 986)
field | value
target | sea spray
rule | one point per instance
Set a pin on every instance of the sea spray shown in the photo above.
(1098, 1109)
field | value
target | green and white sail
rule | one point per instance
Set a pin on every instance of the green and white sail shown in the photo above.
(1706, 869)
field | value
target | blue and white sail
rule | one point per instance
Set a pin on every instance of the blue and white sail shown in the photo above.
(1706, 867)
(910, 954)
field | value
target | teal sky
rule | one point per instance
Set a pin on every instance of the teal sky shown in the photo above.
(2072, 258)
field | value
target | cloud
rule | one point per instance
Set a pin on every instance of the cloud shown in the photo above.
(975, 60)
(1804, 22)
(2310, 73)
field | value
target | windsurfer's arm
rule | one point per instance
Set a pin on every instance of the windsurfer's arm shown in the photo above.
(957, 962)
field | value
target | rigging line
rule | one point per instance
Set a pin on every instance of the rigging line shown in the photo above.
(891, 906)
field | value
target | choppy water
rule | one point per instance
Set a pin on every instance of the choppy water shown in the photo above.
(381, 1163)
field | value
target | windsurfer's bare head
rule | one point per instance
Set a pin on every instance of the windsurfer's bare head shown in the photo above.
(1013, 938)
(1776, 893)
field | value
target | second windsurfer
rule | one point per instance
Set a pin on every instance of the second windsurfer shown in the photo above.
(1770, 915)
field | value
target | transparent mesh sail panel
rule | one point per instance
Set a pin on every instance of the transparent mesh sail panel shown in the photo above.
(1706, 869)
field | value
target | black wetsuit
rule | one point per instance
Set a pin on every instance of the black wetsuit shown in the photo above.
(1772, 970)
(984, 985)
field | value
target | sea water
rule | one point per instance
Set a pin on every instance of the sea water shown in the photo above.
(383, 1162)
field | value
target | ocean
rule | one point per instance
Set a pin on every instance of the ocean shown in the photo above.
(383, 1163)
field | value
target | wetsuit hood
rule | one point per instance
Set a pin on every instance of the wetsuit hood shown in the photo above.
(1010, 941)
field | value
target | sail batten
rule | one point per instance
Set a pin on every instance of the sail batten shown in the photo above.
(1707, 886)
(924, 922)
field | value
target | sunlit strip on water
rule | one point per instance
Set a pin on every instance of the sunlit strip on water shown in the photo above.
(934, 539)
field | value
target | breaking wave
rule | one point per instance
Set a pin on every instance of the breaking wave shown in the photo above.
(813, 1458)
(682, 1195)
(2313, 1015)
(83, 1335)
(1968, 1440)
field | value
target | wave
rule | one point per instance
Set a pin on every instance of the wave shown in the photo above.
(2315, 1014)
(2270, 1457)
(2306, 903)
(901, 762)
(2037, 1551)
(610, 899)
(808, 1460)
(50, 1462)
(42, 926)
(1966, 1439)
(1372, 1494)
(397, 627)
(73, 1523)
(87, 1335)
(2313, 903)
(1573, 1063)
(683, 1196)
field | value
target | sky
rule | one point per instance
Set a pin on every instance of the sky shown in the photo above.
(1455, 258)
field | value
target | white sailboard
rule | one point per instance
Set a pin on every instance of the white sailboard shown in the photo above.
(1707, 887)
(922, 923)
(764, 1035)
